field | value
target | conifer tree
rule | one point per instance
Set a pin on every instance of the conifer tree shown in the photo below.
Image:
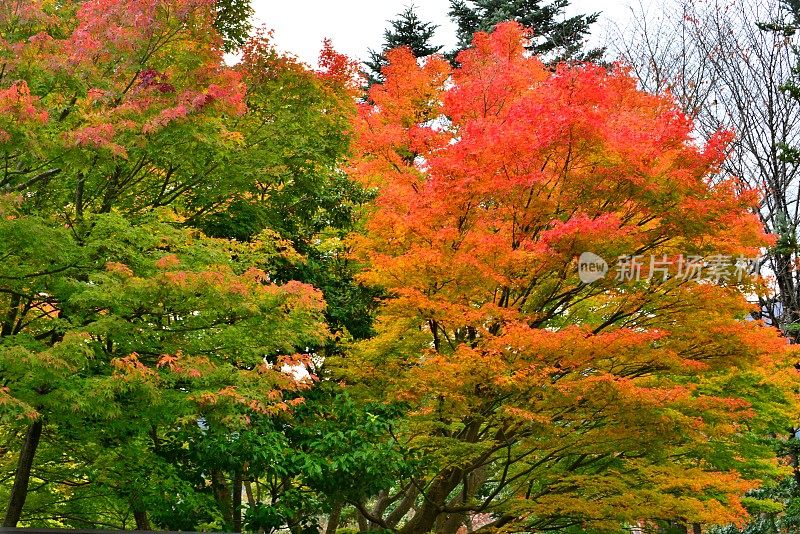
(232, 21)
(557, 37)
(406, 30)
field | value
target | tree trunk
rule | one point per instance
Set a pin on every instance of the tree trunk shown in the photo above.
(248, 489)
(237, 502)
(23, 475)
(11, 318)
(450, 523)
(222, 495)
(405, 505)
(333, 519)
(139, 511)
(429, 512)
(363, 524)
(142, 522)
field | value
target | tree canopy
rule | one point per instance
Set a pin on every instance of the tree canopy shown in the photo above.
(406, 30)
(556, 36)
(244, 296)
(162, 213)
(532, 396)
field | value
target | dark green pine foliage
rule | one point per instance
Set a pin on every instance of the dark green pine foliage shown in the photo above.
(406, 30)
(233, 22)
(556, 37)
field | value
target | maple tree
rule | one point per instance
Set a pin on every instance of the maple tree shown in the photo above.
(716, 63)
(178, 295)
(530, 396)
(149, 296)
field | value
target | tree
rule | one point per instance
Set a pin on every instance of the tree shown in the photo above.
(232, 21)
(728, 73)
(147, 296)
(536, 398)
(556, 39)
(785, 497)
(295, 135)
(406, 30)
(81, 157)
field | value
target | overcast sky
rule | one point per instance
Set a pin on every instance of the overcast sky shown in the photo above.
(356, 25)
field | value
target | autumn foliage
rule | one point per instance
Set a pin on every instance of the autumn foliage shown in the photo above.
(224, 283)
(531, 396)
(143, 319)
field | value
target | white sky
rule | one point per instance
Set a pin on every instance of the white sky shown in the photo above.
(356, 25)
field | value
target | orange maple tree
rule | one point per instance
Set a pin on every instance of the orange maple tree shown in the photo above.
(541, 400)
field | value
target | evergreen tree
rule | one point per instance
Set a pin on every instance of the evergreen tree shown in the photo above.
(232, 21)
(406, 30)
(788, 24)
(557, 37)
